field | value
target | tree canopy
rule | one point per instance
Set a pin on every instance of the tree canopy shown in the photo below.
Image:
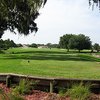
(72, 41)
(64, 41)
(94, 1)
(96, 47)
(6, 44)
(20, 15)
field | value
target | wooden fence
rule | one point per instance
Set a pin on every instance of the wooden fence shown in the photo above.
(51, 84)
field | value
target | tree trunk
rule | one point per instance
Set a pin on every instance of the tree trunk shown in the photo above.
(67, 49)
(91, 50)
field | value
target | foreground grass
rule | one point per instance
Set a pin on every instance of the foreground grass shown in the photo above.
(50, 63)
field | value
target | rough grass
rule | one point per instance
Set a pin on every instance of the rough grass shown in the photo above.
(50, 63)
(79, 92)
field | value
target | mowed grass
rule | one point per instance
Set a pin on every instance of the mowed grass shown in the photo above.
(50, 63)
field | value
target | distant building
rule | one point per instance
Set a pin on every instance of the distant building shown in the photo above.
(24, 45)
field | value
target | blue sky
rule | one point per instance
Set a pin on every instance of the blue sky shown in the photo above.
(60, 17)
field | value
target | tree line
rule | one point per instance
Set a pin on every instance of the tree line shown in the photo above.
(68, 41)
(6, 44)
(72, 41)
(48, 45)
(79, 42)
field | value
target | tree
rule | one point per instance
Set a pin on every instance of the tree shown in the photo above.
(83, 42)
(71, 41)
(9, 43)
(96, 47)
(1, 44)
(49, 45)
(20, 15)
(13, 44)
(64, 41)
(6, 44)
(19, 45)
(33, 45)
(92, 2)
(54, 45)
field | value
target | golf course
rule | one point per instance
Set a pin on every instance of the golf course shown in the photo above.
(50, 63)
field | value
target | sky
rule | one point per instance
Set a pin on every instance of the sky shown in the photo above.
(59, 17)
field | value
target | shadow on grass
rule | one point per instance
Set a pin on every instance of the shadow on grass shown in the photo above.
(50, 51)
(41, 52)
(42, 55)
(2, 52)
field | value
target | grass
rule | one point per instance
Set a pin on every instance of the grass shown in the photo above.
(50, 63)
(79, 92)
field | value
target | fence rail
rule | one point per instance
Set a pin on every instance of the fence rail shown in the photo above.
(47, 83)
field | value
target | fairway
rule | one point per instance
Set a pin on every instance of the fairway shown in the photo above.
(50, 63)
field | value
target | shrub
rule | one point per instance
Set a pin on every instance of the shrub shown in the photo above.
(15, 97)
(6, 96)
(3, 95)
(62, 91)
(24, 87)
(79, 92)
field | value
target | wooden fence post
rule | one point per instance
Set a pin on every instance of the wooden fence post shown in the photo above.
(51, 86)
(8, 80)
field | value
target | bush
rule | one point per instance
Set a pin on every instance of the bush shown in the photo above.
(62, 91)
(24, 87)
(79, 92)
(15, 97)
(6, 96)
